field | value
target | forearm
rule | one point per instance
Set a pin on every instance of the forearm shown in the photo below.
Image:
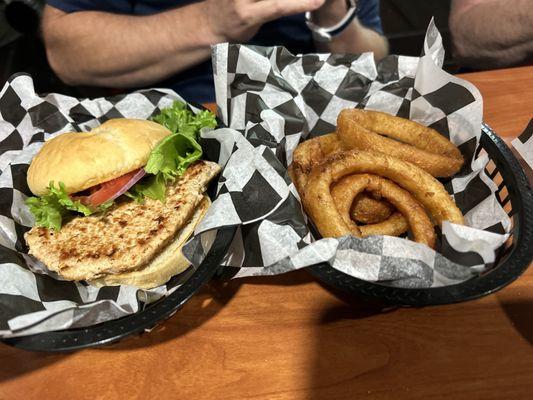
(105, 49)
(492, 33)
(356, 38)
(99, 48)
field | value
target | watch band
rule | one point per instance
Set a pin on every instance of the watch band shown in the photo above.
(325, 34)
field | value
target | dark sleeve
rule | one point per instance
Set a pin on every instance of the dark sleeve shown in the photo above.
(368, 14)
(69, 6)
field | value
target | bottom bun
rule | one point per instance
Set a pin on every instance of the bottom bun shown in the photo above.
(165, 265)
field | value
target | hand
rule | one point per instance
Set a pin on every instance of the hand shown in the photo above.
(239, 20)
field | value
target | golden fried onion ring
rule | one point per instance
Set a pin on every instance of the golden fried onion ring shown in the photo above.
(310, 153)
(345, 190)
(402, 138)
(395, 225)
(369, 210)
(320, 205)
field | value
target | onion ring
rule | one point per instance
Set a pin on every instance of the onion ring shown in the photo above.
(345, 190)
(369, 210)
(312, 152)
(320, 205)
(395, 225)
(401, 138)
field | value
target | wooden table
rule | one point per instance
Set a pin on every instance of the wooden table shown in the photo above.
(287, 337)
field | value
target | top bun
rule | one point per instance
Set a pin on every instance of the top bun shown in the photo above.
(84, 159)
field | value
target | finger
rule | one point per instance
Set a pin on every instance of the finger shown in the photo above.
(268, 10)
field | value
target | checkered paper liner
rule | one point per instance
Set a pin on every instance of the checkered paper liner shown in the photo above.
(32, 298)
(524, 144)
(271, 100)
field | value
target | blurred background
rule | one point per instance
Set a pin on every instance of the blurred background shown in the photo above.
(21, 49)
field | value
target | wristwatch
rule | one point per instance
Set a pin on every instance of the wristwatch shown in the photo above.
(325, 34)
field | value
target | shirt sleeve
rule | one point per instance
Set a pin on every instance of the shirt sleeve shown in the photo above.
(70, 6)
(369, 15)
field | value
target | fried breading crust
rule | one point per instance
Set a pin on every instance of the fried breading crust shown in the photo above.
(312, 152)
(401, 138)
(320, 205)
(345, 190)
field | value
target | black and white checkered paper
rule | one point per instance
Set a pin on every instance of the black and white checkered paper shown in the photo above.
(524, 145)
(271, 100)
(32, 298)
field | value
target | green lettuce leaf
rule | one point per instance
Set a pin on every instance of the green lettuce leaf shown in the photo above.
(153, 187)
(50, 209)
(178, 119)
(46, 211)
(173, 155)
(167, 161)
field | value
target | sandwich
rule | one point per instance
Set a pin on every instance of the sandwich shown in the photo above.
(116, 204)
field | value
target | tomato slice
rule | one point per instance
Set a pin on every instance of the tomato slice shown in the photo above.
(108, 190)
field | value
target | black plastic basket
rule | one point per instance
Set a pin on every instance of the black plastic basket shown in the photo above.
(148, 318)
(144, 320)
(514, 194)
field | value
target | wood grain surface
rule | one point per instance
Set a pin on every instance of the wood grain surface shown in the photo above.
(287, 337)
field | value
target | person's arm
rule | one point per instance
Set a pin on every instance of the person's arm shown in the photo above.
(354, 39)
(492, 33)
(114, 50)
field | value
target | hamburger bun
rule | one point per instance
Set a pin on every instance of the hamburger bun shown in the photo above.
(116, 147)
